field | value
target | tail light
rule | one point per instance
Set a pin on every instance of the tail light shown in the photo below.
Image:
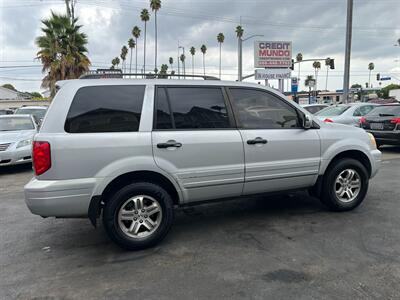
(41, 156)
(395, 121)
(328, 120)
(362, 121)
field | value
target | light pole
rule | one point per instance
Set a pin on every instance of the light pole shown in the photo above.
(349, 26)
(240, 67)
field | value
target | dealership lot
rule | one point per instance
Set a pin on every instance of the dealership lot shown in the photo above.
(255, 248)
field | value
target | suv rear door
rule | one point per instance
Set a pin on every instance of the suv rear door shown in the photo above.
(279, 153)
(195, 139)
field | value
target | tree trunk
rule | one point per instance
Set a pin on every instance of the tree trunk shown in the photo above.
(204, 66)
(155, 57)
(144, 49)
(220, 60)
(193, 65)
(136, 57)
(130, 64)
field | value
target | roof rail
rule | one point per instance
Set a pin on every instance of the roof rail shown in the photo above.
(117, 73)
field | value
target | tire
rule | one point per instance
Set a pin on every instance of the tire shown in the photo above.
(123, 212)
(332, 185)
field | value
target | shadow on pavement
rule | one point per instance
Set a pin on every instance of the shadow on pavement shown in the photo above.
(6, 170)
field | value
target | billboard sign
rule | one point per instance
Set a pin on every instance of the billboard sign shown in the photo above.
(270, 54)
(262, 74)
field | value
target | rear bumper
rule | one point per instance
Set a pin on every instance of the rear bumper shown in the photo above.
(59, 198)
(386, 137)
(16, 156)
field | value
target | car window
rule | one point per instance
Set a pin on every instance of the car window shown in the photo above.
(105, 109)
(333, 110)
(385, 110)
(15, 124)
(192, 108)
(262, 110)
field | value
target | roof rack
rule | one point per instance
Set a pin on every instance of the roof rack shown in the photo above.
(117, 73)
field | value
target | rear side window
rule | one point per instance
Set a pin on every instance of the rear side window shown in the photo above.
(191, 108)
(105, 109)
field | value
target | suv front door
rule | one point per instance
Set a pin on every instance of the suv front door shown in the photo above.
(279, 153)
(195, 140)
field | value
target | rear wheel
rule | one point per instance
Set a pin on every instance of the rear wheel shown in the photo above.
(345, 185)
(138, 216)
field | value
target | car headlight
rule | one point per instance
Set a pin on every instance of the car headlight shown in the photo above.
(24, 143)
(372, 140)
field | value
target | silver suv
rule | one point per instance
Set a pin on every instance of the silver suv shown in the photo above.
(131, 150)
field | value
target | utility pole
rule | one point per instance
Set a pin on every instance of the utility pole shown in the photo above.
(349, 25)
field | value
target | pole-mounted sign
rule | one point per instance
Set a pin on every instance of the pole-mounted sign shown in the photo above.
(266, 74)
(272, 54)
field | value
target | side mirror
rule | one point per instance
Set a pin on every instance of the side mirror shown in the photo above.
(307, 122)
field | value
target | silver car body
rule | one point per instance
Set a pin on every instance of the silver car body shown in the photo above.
(11, 152)
(351, 116)
(211, 164)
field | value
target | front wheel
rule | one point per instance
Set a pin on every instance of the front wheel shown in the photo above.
(138, 216)
(345, 185)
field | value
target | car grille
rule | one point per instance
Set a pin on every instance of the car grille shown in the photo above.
(4, 147)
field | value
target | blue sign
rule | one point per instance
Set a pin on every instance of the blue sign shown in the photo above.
(386, 78)
(295, 84)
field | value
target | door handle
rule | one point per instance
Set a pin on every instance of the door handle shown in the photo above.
(257, 140)
(169, 144)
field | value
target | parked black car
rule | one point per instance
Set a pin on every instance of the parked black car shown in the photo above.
(384, 123)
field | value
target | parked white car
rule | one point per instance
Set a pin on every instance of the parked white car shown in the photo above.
(16, 135)
(349, 114)
(314, 108)
(37, 112)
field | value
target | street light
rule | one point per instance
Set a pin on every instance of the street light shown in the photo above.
(240, 65)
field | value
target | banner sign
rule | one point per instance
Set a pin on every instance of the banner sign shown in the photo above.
(262, 74)
(295, 84)
(270, 54)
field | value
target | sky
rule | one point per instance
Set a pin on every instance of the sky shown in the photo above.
(315, 27)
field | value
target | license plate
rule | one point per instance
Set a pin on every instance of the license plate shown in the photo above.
(376, 126)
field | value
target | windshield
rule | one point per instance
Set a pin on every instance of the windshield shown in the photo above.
(333, 110)
(386, 111)
(13, 124)
(37, 113)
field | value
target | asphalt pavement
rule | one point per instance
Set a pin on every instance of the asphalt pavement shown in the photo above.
(280, 247)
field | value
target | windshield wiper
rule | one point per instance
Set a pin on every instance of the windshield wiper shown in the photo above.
(386, 115)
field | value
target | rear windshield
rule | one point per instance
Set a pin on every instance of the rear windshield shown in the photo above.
(14, 124)
(386, 111)
(333, 110)
(37, 112)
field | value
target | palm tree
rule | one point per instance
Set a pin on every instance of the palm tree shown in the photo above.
(62, 50)
(203, 50)
(155, 5)
(299, 58)
(239, 33)
(131, 44)
(124, 52)
(327, 64)
(307, 82)
(316, 66)
(136, 35)
(171, 61)
(371, 66)
(163, 71)
(220, 39)
(113, 63)
(192, 52)
(182, 59)
(145, 17)
(116, 61)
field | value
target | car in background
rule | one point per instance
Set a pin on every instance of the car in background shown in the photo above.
(38, 112)
(314, 108)
(6, 112)
(384, 124)
(16, 134)
(349, 114)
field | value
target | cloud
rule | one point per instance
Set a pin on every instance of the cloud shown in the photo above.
(317, 29)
